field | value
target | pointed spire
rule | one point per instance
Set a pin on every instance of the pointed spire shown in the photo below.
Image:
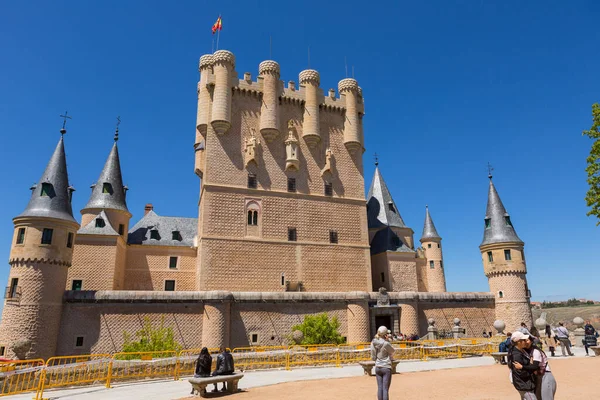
(381, 209)
(429, 231)
(51, 197)
(498, 227)
(109, 192)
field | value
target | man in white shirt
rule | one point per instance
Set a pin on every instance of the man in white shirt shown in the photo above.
(563, 338)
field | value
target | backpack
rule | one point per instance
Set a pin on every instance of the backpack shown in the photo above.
(589, 330)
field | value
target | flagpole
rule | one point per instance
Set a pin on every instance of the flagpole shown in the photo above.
(219, 31)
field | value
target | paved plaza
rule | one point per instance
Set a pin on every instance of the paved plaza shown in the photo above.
(169, 389)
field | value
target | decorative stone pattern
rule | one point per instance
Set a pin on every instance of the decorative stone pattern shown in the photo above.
(476, 318)
(436, 279)
(409, 317)
(86, 258)
(216, 325)
(358, 322)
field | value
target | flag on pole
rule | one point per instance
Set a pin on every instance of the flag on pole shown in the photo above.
(217, 26)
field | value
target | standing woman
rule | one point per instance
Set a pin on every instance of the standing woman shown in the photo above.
(550, 340)
(381, 353)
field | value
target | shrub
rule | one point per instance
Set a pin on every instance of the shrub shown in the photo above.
(151, 338)
(319, 329)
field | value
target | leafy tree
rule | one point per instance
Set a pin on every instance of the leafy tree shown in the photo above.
(592, 197)
(319, 329)
(151, 338)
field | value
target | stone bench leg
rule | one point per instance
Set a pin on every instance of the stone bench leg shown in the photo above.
(394, 365)
(232, 386)
(368, 370)
(201, 389)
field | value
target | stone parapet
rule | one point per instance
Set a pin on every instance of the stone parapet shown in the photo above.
(438, 297)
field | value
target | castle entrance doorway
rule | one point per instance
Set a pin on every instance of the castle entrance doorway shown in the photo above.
(385, 320)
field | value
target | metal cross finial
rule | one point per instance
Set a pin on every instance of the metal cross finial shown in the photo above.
(376, 159)
(117, 128)
(490, 169)
(65, 117)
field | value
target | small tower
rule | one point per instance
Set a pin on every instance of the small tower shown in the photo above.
(104, 222)
(41, 253)
(504, 264)
(432, 245)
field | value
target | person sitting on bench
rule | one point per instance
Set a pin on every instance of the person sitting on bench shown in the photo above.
(224, 366)
(203, 364)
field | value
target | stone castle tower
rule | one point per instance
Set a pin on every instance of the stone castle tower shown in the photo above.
(504, 264)
(282, 182)
(41, 254)
(432, 246)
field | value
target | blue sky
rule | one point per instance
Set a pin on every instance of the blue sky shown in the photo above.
(448, 87)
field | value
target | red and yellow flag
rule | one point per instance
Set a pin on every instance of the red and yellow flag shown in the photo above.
(217, 26)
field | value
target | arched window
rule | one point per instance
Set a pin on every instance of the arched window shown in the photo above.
(500, 294)
(253, 217)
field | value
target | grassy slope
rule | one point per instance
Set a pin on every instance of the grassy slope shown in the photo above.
(566, 315)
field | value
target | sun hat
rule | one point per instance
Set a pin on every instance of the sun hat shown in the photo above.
(517, 336)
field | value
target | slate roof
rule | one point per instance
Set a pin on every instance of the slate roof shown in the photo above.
(140, 233)
(57, 204)
(387, 240)
(429, 231)
(379, 212)
(91, 229)
(499, 231)
(111, 173)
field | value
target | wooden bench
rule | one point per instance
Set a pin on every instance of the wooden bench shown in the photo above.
(368, 366)
(596, 350)
(499, 356)
(200, 384)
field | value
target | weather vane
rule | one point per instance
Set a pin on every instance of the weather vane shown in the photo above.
(65, 117)
(490, 169)
(117, 128)
(376, 157)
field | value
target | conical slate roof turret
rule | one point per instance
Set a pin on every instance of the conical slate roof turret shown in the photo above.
(498, 226)
(429, 231)
(109, 192)
(51, 197)
(381, 209)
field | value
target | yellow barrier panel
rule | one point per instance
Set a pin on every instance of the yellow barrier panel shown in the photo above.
(143, 365)
(186, 361)
(75, 370)
(263, 357)
(321, 354)
(21, 376)
(407, 350)
(353, 353)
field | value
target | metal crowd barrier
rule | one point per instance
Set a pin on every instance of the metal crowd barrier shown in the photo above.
(21, 376)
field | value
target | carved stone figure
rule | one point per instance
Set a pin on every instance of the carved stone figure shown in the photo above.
(250, 148)
(327, 167)
(291, 148)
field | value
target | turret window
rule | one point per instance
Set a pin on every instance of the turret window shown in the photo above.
(431, 264)
(107, 188)
(507, 220)
(490, 256)
(252, 217)
(176, 235)
(47, 236)
(21, 236)
(154, 234)
(441, 264)
(100, 223)
(439, 245)
(428, 245)
(46, 189)
(507, 256)
(121, 229)
(500, 294)
(70, 240)
(488, 223)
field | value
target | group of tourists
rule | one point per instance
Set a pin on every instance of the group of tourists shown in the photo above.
(224, 365)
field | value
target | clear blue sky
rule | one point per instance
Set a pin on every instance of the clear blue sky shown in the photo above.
(448, 87)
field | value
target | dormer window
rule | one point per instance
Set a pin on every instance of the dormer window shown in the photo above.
(46, 189)
(107, 188)
(396, 241)
(154, 234)
(488, 223)
(507, 220)
(100, 223)
(391, 207)
(176, 236)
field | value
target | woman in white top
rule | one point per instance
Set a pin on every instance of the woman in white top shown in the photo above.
(381, 353)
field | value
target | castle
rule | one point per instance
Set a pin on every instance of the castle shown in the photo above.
(283, 231)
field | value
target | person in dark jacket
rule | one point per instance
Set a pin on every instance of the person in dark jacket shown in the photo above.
(523, 377)
(590, 337)
(203, 365)
(224, 366)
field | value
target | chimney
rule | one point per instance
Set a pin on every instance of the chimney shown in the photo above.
(149, 207)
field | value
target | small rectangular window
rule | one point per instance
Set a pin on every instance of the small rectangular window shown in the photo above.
(382, 277)
(490, 256)
(488, 223)
(522, 255)
(254, 338)
(441, 264)
(70, 240)
(47, 236)
(14, 286)
(282, 279)
(154, 234)
(121, 229)
(507, 221)
(291, 184)
(46, 189)
(21, 236)
(100, 223)
(439, 245)
(431, 264)
(333, 237)
(175, 235)
(507, 255)
(292, 234)
(77, 284)
(252, 181)
(172, 262)
(169, 285)
(428, 245)
(79, 341)
(328, 189)
(2, 350)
